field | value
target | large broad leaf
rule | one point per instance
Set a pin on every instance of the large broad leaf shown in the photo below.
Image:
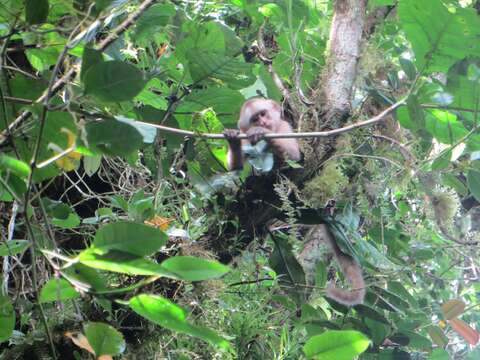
(36, 11)
(104, 339)
(444, 126)
(165, 313)
(232, 72)
(112, 137)
(473, 181)
(439, 37)
(153, 20)
(124, 263)
(57, 290)
(194, 269)
(133, 238)
(113, 81)
(336, 345)
(7, 318)
(224, 101)
(90, 57)
(13, 247)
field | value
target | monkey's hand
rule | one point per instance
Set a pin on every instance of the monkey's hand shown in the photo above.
(232, 137)
(256, 133)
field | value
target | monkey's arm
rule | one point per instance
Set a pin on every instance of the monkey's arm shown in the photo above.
(286, 149)
(235, 154)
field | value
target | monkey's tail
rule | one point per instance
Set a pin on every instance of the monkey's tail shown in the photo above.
(353, 273)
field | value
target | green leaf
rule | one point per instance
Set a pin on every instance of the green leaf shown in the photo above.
(473, 182)
(336, 345)
(190, 268)
(70, 222)
(36, 11)
(104, 339)
(439, 37)
(396, 287)
(7, 318)
(113, 81)
(290, 272)
(439, 354)
(124, 263)
(232, 72)
(437, 335)
(321, 274)
(224, 101)
(165, 313)
(17, 167)
(57, 290)
(153, 20)
(113, 137)
(13, 247)
(444, 126)
(455, 183)
(136, 239)
(91, 164)
(453, 308)
(85, 277)
(90, 57)
(366, 311)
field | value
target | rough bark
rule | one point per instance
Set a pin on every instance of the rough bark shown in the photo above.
(342, 59)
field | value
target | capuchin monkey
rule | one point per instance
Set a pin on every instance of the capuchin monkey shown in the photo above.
(257, 118)
(264, 116)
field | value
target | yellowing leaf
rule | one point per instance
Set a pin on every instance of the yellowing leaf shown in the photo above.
(80, 340)
(453, 308)
(464, 330)
(159, 222)
(69, 161)
(442, 324)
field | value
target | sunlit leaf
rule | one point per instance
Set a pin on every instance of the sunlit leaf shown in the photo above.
(57, 290)
(165, 313)
(18, 167)
(336, 345)
(104, 339)
(125, 263)
(13, 247)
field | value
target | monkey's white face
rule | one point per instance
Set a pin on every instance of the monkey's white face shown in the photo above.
(262, 113)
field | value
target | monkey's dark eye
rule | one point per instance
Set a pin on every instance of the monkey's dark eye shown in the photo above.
(263, 113)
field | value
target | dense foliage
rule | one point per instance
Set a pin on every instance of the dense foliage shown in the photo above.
(120, 239)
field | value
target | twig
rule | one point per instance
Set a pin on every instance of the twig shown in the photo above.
(316, 134)
(6, 261)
